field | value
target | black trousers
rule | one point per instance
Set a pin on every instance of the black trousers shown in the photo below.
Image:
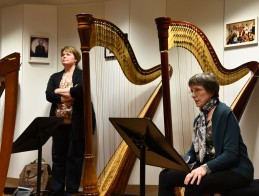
(218, 182)
(67, 158)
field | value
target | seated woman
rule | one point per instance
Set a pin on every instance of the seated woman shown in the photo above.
(221, 157)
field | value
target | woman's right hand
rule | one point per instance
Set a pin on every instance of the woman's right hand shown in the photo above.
(195, 174)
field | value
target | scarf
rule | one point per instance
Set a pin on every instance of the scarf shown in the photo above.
(199, 129)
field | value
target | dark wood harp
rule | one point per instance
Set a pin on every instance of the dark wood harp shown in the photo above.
(9, 72)
(97, 32)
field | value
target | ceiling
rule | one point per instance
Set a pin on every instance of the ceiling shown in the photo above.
(7, 3)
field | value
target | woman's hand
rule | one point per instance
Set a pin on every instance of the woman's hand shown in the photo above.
(66, 99)
(195, 174)
(65, 92)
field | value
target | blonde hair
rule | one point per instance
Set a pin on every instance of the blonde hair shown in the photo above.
(74, 51)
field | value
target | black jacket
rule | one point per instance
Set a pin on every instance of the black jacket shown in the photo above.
(76, 92)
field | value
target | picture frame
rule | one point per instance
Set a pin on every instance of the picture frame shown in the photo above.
(240, 33)
(108, 55)
(39, 50)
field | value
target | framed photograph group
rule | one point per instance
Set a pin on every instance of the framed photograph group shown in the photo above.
(239, 33)
(39, 49)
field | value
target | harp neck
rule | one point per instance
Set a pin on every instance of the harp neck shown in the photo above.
(9, 64)
(98, 32)
(239, 104)
(9, 67)
(188, 36)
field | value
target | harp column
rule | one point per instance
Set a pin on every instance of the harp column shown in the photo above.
(90, 177)
(162, 27)
(163, 24)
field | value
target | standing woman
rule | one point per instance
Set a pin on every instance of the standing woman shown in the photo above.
(65, 92)
(220, 156)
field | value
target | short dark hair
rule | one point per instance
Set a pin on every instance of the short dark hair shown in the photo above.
(207, 80)
(74, 51)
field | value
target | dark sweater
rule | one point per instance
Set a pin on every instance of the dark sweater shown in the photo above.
(231, 152)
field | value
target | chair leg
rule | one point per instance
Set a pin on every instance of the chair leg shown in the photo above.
(178, 191)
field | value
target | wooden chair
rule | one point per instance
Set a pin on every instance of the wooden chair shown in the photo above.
(251, 190)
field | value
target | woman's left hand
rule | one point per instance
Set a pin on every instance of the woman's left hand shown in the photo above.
(195, 174)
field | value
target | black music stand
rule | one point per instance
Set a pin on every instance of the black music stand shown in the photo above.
(149, 145)
(35, 136)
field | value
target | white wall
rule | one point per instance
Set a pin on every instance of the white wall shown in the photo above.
(143, 38)
(67, 23)
(236, 11)
(18, 23)
(138, 20)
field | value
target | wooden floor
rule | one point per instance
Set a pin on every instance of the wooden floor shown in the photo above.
(131, 190)
(10, 185)
(134, 190)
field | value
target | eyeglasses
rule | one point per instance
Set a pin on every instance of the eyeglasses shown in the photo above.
(196, 91)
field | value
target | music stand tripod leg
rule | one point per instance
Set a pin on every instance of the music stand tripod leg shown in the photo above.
(39, 173)
(142, 169)
(41, 128)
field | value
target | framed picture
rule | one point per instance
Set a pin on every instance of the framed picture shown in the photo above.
(108, 55)
(39, 49)
(239, 33)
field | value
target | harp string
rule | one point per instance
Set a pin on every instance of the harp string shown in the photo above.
(112, 95)
(108, 35)
(190, 37)
(101, 93)
(186, 35)
(183, 109)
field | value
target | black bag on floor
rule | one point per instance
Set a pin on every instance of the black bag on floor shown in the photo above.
(23, 191)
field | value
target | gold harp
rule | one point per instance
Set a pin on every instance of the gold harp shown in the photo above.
(9, 71)
(186, 35)
(97, 32)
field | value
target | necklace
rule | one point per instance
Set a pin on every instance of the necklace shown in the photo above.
(67, 77)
